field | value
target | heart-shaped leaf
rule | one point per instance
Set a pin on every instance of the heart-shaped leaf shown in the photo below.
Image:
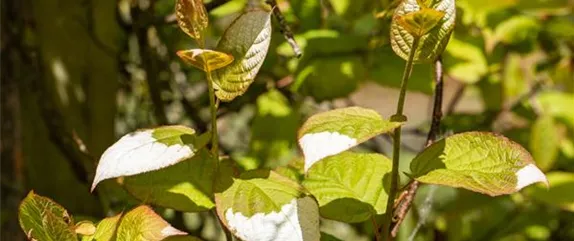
(191, 17)
(186, 186)
(205, 59)
(262, 205)
(335, 131)
(143, 224)
(43, 219)
(148, 150)
(478, 161)
(350, 187)
(431, 44)
(247, 39)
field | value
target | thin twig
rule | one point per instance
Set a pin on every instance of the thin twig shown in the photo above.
(284, 28)
(405, 204)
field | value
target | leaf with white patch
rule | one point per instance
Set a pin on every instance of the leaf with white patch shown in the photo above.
(191, 17)
(247, 39)
(478, 161)
(143, 224)
(350, 187)
(205, 59)
(186, 186)
(148, 150)
(434, 41)
(105, 230)
(261, 205)
(332, 132)
(43, 219)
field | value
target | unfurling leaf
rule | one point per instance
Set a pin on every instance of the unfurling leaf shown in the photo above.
(406, 26)
(335, 131)
(247, 39)
(43, 219)
(205, 59)
(478, 161)
(262, 205)
(420, 22)
(148, 150)
(143, 224)
(191, 17)
(350, 187)
(106, 229)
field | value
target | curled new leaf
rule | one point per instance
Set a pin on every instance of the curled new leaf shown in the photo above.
(191, 17)
(205, 59)
(434, 31)
(247, 39)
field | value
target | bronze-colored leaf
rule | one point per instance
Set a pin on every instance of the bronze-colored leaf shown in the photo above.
(205, 58)
(191, 17)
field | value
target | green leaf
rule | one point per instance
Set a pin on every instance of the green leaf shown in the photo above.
(387, 70)
(466, 61)
(191, 17)
(335, 131)
(478, 161)
(518, 30)
(560, 193)
(420, 22)
(106, 229)
(205, 59)
(247, 39)
(433, 43)
(186, 186)
(262, 205)
(324, 42)
(544, 142)
(350, 187)
(148, 150)
(43, 219)
(143, 224)
(182, 238)
(558, 105)
(85, 228)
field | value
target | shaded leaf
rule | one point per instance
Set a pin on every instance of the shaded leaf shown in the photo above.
(143, 224)
(247, 39)
(434, 42)
(478, 161)
(558, 105)
(186, 186)
(335, 131)
(106, 229)
(191, 17)
(350, 187)
(43, 219)
(205, 59)
(148, 150)
(544, 142)
(560, 193)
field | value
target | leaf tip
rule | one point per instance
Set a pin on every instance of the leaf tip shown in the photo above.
(316, 146)
(528, 175)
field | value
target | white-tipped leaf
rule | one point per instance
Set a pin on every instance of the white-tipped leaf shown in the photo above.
(143, 224)
(332, 132)
(247, 39)
(478, 161)
(264, 206)
(147, 150)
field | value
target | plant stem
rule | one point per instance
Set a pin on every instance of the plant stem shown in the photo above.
(213, 106)
(397, 141)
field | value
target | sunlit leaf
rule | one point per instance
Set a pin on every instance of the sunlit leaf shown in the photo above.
(247, 39)
(148, 150)
(558, 105)
(478, 161)
(43, 219)
(186, 186)
(205, 59)
(143, 224)
(262, 205)
(191, 17)
(335, 131)
(105, 230)
(85, 228)
(466, 61)
(420, 22)
(350, 187)
(544, 142)
(433, 43)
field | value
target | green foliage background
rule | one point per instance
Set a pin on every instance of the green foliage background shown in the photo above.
(76, 75)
